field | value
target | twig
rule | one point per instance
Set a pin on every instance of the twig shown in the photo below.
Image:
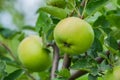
(84, 4)
(72, 13)
(67, 61)
(55, 61)
(8, 49)
(15, 59)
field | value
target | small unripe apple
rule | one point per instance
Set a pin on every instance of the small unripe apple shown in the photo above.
(32, 54)
(73, 35)
(114, 74)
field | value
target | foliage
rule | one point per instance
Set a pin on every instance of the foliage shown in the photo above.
(104, 54)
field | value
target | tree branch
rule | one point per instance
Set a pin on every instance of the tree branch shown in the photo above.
(55, 61)
(66, 61)
(77, 74)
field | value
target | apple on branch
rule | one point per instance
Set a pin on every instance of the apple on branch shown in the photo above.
(32, 54)
(73, 35)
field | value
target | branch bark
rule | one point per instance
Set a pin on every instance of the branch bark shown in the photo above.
(55, 61)
(66, 61)
(77, 74)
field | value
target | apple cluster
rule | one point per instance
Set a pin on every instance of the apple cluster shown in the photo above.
(72, 35)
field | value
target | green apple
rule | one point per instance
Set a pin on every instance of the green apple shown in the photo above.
(32, 54)
(73, 35)
(57, 3)
(114, 74)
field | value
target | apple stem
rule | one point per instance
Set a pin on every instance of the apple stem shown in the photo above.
(67, 61)
(55, 61)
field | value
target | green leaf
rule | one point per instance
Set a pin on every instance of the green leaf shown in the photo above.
(43, 23)
(114, 17)
(2, 66)
(94, 71)
(2, 70)
(91, 77)
(59, 79)
(84, 77)
(57, 3)
(21, 36)
(28, 27)
(49, 34)
(96, 47)
(97, 32)
(14, 75)
(94, 5)
(44, 75)
(64, 73)
(54, 11)
(2, 50)
(6, 33)
(116, 3)
(71, 4)
(83, 63)
(45, 26)
(101, 21)
(103, 66)
(112, 42)
(116, 34)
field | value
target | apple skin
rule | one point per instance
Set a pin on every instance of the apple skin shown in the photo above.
(32, 54)
(114, 74)
(73, 35)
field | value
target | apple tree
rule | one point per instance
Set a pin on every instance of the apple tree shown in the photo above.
(82, 38)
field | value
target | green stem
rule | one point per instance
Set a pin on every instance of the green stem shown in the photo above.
(84, 8)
